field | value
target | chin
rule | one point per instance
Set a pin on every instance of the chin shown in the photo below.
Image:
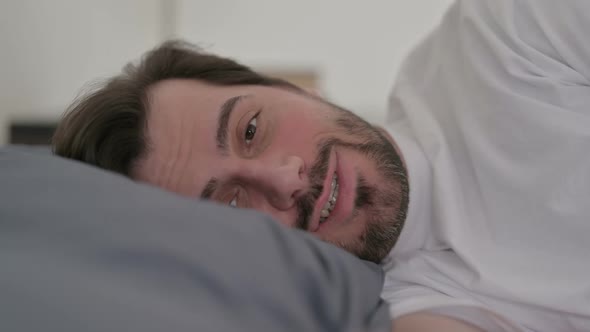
(368, 235)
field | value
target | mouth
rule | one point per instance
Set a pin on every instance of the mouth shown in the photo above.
(325, 207)
(335, 206)
(331, 202)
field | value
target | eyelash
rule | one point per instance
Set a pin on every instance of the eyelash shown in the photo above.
(234, 198)
(239, 197)
(247, 130)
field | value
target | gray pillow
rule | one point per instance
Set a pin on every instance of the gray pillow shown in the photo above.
(82, 249)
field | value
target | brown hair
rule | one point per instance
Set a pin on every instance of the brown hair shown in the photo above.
(105, 127)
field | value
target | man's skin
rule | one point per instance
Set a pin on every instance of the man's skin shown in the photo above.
(266, 157)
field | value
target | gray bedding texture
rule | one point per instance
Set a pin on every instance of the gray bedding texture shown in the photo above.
(82, 249)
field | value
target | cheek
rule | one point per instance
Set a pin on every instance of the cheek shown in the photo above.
(298, 135)
(304, 122)
(285, 218)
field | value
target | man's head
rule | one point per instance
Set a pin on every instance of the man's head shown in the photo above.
(204, 126)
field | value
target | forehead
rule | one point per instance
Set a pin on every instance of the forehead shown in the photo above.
(177, 103)
(181, 124)
(172, 101)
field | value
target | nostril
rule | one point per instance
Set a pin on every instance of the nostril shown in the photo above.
(296, 194)
(298, 164)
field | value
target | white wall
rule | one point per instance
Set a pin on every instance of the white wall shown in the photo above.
(50, 49)
(356, 46)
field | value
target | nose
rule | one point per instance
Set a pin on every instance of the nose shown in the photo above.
(282, 181)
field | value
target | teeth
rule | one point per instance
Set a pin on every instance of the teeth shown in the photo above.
(329, 206)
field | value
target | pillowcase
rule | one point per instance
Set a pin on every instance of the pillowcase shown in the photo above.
(83, 249)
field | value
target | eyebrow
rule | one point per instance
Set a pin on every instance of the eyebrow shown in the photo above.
(225, 112)
(210, 188)
(221, 135)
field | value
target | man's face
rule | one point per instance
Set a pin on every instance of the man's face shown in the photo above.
(305, 162)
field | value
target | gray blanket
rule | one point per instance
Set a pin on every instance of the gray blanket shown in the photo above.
(82, 249)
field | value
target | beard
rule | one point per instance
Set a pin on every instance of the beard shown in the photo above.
(384, 207)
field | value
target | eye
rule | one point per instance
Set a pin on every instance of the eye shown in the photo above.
(234, 202)
(250, 131)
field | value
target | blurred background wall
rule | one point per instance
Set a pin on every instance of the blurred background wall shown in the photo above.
(351, 49)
